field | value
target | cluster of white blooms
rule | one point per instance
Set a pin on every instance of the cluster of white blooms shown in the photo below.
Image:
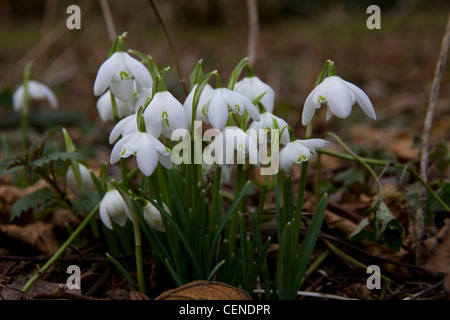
(145, 113)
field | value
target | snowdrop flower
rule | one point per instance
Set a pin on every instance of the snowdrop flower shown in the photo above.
(85, 178)
(147, 149)
(339, 95)
(220, 101)
(118, 73)
(35, 90)
(298, 151)
(124, 127)
(143, 98)
(113, 207)
(105, 108)
(266, 122)
(253, 87)
(188, 103)
(166, 113)
(153, 217)
(229, 142)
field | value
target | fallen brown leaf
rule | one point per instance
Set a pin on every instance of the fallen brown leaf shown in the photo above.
(38, 234)
(204, 290)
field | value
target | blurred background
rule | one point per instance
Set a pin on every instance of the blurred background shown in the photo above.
(394, 65)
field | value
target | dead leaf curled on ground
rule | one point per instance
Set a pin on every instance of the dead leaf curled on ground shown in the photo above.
(204, 290)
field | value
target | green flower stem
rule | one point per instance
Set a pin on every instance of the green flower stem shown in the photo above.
(302, 183)
(378, 162)
(216, 209)
(262, 198)
(62, 249)
(122, 161)
(359, 159)
(24, 127)
(138, 251)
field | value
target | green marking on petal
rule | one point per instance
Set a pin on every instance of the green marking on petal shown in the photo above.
(205, 110)
(123, 75)
(321, 99)
(302, 158)
(123, 151)
(157, 222)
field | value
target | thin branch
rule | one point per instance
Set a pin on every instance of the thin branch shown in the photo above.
(253, 31)
(108, 20)
(419, 223)
(174, 56)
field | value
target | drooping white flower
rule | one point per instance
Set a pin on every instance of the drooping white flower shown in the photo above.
(339, 96)
(298, 151)
(165, 112)
(253, 87)
(124, 127)
(118, 73)
(188, 103)
(266, 122)
(105, 107)
(147, 149)
(153, 217)
(86, 178)
(143, 98)
(113, 207)
(231, 142)
(36, 91)
(220, 101)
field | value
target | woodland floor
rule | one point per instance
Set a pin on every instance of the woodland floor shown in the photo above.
(395, 66)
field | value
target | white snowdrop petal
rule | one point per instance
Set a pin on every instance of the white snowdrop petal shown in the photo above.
(104, 75)
(122, 89)
(119, 128)
(18, 98)
(217, 112)
(139, 71)
(310, 106)
(46, 93)
(338, 98)
(362, 99)
(117, 149)
(146, 156)
(104, 214)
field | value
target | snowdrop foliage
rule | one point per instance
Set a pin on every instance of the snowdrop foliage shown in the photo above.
(118, 73)
(34, 91)
(298, 151)
(339, 96)
(113, 208)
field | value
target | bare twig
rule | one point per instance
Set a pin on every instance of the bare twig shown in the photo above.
(253, 31)
(419, 221)
(174, 56)
(108, 20)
